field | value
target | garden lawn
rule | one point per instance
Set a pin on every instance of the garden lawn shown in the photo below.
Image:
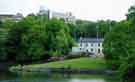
(78, 63)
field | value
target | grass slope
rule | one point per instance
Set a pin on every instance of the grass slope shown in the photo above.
(78, 63)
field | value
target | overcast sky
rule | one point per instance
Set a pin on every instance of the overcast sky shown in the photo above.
(83, 9)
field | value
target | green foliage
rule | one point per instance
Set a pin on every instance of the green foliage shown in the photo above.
(59, 37)
(8, 24)
(86, 29)
(131, 15)
(104, 27)
(3, 35)
(119, 47)
(114, 44)
(33, 38)
(92, 29)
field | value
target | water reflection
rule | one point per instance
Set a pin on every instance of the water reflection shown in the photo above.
(91, 80)
(42, 77)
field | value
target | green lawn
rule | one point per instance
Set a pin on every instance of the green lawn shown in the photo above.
(85, 62)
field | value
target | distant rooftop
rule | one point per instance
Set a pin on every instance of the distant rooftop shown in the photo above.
(7, 15)
(91, 40)
(15, 17)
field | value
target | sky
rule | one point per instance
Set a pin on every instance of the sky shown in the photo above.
(82, 9)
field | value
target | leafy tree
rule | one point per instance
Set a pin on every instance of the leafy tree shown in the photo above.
(104, 27)
(34, 39)
(3, 39)
(119, 47)
(93, 29)
(59, 37)
(8, 24)
(115, 49)
(131, 15)
(19, 36)
(86, 28)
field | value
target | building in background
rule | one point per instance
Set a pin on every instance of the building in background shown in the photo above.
(67, 17)
(16, 18)
(89, 45)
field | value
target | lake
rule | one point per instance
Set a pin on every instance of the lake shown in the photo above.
(43, 77)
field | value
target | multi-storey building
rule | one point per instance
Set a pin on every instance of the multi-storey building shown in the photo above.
(67, 17)
(4, 17)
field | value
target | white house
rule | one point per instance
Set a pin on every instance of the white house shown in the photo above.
(89, 45)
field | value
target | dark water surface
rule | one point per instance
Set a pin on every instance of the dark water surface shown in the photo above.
(42, 77)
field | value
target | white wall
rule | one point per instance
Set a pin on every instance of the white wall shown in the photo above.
(88, 47)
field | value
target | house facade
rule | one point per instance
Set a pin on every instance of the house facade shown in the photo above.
(89, 45)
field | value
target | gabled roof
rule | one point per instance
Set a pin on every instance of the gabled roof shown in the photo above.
(91, 40)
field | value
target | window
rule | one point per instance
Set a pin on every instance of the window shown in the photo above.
(66, 19)
(91, 44)
(86, 44)
(91, 49)
(98, 50)
(98, 44)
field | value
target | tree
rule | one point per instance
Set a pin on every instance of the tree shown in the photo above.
(3, 39)
(33, 39)
(104, 27)
(119, 47)
(116, 48)
(131, 15)
(24, 40)
(4, 29)
(59, 37)
(86, 28)
(93, 29)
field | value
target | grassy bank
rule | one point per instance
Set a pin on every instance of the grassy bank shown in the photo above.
(78, 63)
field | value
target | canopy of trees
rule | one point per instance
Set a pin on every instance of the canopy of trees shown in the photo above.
(34, 38)
(91, 29)
(37, 37)
(119, 47)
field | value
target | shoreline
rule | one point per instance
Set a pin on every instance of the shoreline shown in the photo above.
(79, 65)
(65, 70)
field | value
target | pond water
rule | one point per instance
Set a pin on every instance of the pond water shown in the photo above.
(42, 77)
